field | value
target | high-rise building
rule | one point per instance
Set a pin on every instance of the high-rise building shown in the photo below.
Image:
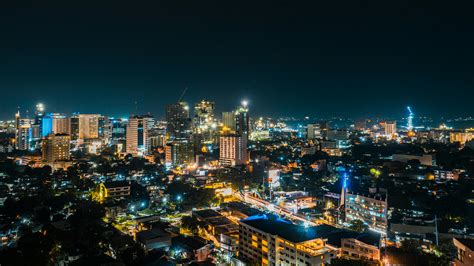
(461, 137)
(179, 152)
(340, 136)
(242, 122)
(74, 127)
(204, 122)
(105, 129)
(390, 129)
(371, 208)
(55, 123)
(37, 125)
(178, 121)
(228, 120)
(137, 135)
(314, 131)
(203, 113)
(22, 132)
(232, 150)
(89, 126)
(56, 147)
(273, 179)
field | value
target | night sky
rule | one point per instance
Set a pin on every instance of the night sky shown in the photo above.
(316, 58)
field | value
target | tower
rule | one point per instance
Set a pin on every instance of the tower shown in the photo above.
(343, 191)
(88, 126)
(137, 135)
(410, 117)
(178, 122)
(56, 147)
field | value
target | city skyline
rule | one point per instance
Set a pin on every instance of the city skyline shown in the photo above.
(268, 132)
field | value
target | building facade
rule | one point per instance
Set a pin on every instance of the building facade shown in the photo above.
(369, 208)
(88, 126)
(137, 143)
(232, 150)
(56, 147)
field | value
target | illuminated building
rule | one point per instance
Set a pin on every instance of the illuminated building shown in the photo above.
(137, 135)
(105, 129)
(56, 147)
(54, 123)
(204, 122)
(261, 134)
(232, 150)
(461, 137)
(74, 127)
(179, 152)
(22, 132)
(442, 174)
(115, 189)
(273, 178)
(313, 131)
(369, 208)
(340, 136)
(242, 123)
(424, 159)
(233, 143)
(465, 251)
(37, 125)
(390, 129)
(203, 113)
(269, 240)
(88, 126)
(178, 121)
(228, 120)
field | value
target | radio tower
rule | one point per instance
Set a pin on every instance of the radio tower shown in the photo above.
(410, 117)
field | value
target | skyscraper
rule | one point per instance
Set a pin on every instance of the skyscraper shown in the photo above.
(74, 127)
(56, 147)
(179, 152)
(242, 122)
(228, 120)
(232, 150)
(137, 135)
(55, 123)
(22, 132)
(234, 137)
(37, 126)
(88, 126)
(313, 131)
(178, 121)
(203, 113)
(390, 129)
(204, 122)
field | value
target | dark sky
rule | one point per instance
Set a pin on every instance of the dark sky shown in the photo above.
(315, 58)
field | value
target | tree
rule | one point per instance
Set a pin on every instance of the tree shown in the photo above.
(410, 245)
(358, 226)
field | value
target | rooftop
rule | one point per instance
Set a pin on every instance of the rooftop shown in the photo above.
(114, 184)
(207, 213)
(298, 233)
(468, 242)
